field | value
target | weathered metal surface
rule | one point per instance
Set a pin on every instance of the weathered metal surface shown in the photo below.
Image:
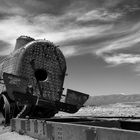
(76, 98)
(14, 83)
(45, 56)
(33, 76)
(48, 130)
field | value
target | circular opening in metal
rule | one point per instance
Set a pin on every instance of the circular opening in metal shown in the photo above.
(41, 75)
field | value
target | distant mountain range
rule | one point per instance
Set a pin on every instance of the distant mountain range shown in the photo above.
(111, 99)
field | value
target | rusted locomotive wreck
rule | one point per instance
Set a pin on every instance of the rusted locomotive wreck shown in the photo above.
(32, 78)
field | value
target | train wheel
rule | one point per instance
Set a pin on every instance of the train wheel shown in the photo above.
(2, 105)
(8, 107)
(6, 110)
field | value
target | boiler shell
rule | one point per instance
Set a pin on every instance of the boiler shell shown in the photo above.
(46, 56)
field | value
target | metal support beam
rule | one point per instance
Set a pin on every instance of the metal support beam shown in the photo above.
(47, 130)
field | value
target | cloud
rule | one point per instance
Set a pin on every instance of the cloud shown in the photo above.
(125, 42)
(124, 49)
(122, 59)
(69, 51)
(34, 7)
(99, 14)
(56, 29)
(112, 3)
(82, 27)
(13, 27)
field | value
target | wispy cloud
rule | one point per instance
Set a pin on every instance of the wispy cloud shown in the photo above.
(122, 59)
(124, 42)
(99, 14)
(56, 29)
(78, 27)
(69, 51)
(124, 50)
(13, 27)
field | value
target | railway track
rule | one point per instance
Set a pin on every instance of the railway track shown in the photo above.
(79, 128)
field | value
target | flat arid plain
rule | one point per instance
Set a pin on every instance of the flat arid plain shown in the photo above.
(110, 105)
(119, 110)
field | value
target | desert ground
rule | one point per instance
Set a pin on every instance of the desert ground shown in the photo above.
(119, 109)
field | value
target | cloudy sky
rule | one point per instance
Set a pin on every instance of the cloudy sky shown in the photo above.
(99, 38)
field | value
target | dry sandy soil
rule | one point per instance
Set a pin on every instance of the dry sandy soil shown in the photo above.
(120, 109)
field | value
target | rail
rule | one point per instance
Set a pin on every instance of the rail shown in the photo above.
(76, 128)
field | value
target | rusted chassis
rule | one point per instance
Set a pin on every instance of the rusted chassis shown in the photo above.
(33, 77)
(14, 109)
(43, 64)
